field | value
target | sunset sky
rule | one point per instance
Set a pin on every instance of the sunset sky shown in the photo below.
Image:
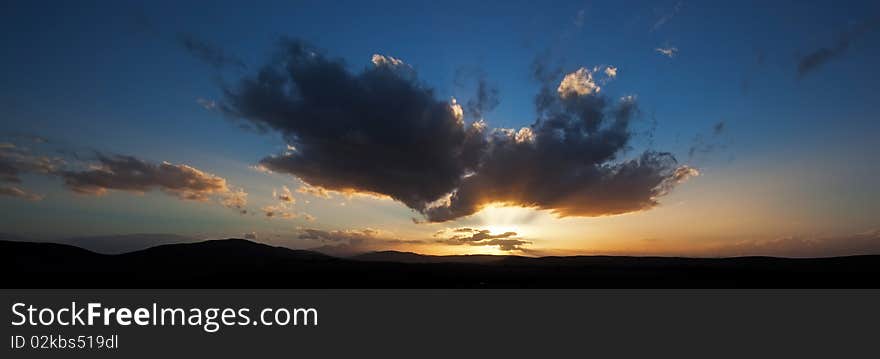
(582, 127)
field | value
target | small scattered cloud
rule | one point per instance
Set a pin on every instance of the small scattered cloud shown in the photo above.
(611, 72)
(394, 65)
(313, 191)
(669, 51)
(252, 236)
(235, 198)
(578, 83)
(209, 105)
(389, 61)
(278, 211)
(705, 144)
(283, 209)
(284, 195)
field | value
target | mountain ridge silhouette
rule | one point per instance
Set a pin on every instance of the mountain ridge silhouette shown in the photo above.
(240, 263)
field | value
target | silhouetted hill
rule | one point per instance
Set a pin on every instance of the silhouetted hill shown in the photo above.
(237, 263)
(126, 243)
(409, 257)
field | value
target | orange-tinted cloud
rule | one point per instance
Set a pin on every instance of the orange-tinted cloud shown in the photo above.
(13, 191)
(16, 161)
(130, 174)
(507, 241)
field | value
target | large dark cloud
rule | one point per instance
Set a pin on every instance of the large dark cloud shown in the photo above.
(567, 161)
(376, 131)
(820, 56)
(382, 131)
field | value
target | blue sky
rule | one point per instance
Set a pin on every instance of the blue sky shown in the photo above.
(112, 77)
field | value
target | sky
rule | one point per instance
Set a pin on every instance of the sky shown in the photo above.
(509, 127)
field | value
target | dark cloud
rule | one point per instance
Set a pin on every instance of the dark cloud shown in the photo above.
(208, 53)
(16, 161)
(819, 57)
(113, 172)
(13, 191)
(377, 131)
(251, 236)
(567, 161)
(381, 131)
(507, 241)
(506, 244)
(708, 143)
(284, 195)
(486, 95)
(127, 173)
(718, 128)
(470, 235)
(485, 100)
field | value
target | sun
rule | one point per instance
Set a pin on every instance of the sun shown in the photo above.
(502, 228)
(498, 219)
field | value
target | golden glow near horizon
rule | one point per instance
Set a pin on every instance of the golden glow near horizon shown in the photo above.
(692, 221)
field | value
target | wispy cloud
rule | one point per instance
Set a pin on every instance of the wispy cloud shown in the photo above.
(707, 143)
(666, 16)
(131, 174)
(579, 18)
(13, 191)
(16, 161)
(816, 58)
(208, 53)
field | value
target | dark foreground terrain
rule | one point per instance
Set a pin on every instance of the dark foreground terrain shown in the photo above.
(236, 263)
